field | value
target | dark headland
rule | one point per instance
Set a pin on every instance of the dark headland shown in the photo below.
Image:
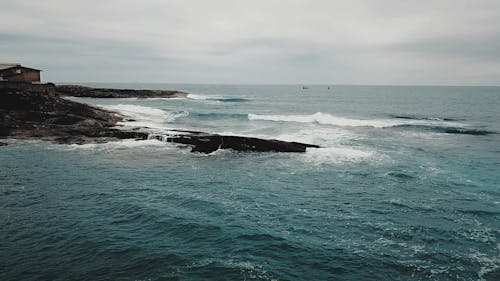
(41, 111)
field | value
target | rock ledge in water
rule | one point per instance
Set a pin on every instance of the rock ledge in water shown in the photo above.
(207, 143)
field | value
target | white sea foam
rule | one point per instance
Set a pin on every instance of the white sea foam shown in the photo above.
(245, 134)
(143, 116)
(323, 118)
(334, 142)
(203, 97)
(138, 111)
(488, 263)
(331, 139)
(122, 144)
(328, 119)
(336, 155)
(165, 99)
(317, 135)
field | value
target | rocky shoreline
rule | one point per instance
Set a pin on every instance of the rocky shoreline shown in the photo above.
(40, 111)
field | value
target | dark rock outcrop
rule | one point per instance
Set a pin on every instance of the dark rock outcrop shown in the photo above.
(207, 143)
(38, 111)
(43, 114)
(88, 92)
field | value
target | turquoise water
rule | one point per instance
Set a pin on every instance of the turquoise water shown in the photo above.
(405, 187)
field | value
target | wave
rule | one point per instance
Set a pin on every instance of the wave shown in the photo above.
(400, 175)
(121, 144)
(203, 97)
(215, 98)
(233, 100)
(137, 111)
(338, 155)
(414, 117)
(216, 116)
(143, 116)
(446, 129)
(324, 136)
(326, 119)
(432, 124)
(211, 269)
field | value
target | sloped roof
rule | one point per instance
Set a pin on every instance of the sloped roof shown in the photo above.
(4, 66)
(8, 65)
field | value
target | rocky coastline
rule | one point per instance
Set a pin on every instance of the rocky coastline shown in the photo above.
(41, 111)
(88, 92)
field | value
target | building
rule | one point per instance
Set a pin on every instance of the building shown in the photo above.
(17, 73)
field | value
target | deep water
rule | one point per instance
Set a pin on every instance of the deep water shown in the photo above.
(405, 187)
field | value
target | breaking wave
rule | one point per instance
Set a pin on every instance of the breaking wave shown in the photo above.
(337, 155)
(121, 144)
(217, 116)
(215, 98)
(143, 116)
(431, 124)
(327, 119)
(446, 129)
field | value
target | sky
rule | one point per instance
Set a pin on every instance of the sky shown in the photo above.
(383, 42)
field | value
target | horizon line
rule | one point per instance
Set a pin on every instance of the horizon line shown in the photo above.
(279, 84)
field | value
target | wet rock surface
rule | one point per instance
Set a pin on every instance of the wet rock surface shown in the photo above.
(44, 114)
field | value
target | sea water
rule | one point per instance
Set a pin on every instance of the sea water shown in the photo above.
(405, 186)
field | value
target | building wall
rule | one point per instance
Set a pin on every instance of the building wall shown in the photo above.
(31, 76)
(21, 75)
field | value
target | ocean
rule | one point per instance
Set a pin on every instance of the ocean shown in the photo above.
(405, 186)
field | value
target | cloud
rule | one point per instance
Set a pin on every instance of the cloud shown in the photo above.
(223, 41)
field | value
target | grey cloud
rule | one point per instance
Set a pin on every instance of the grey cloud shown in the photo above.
(223, 41)
(480, 48)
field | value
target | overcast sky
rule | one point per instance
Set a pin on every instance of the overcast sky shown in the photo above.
(259, 41)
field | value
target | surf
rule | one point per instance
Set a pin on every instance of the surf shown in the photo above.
(144, 116)
(216, 98)
(328, 119)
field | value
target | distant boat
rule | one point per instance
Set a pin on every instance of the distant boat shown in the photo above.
(305, 87)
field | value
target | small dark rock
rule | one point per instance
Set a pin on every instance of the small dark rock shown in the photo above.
(207, 143)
